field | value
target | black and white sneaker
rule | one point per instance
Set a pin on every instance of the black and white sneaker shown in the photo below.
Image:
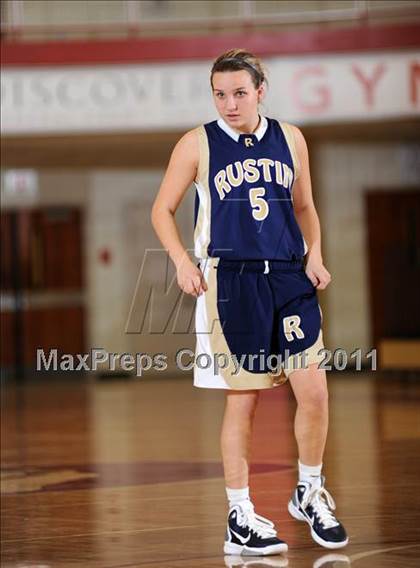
(250, 534)
(315, 505)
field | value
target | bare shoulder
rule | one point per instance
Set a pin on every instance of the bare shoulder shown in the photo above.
(185, 157)
(191, 137)
(188, 145)
(298, 136)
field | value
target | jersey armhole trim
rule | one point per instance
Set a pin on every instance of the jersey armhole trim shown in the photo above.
(203, 160)
(290, 138)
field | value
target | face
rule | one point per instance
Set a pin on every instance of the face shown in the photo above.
(236, 98)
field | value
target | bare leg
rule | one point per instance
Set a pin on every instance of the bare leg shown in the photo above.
(311, 425)
(236, 433)
(246, 532)
(311, 419)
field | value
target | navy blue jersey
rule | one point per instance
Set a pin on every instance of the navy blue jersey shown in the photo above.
(243, 203)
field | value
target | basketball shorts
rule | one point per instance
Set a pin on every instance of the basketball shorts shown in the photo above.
(258, 322)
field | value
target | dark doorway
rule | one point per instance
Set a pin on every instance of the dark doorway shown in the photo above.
(42, 284)
(393, 222)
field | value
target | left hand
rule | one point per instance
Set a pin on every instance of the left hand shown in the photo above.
(316, 272)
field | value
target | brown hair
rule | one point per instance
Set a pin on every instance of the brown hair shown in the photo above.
(236, 60)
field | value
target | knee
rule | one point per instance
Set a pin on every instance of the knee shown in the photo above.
(243, 404)
(314, 398)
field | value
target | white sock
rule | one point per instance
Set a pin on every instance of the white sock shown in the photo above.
(235, 496)
(310, 473)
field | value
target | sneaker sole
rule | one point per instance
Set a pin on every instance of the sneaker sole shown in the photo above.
(232, 548)
(296, 514)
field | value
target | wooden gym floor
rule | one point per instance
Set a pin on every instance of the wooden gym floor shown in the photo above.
(127, 473)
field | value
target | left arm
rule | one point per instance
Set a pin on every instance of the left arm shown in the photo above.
(307, 217)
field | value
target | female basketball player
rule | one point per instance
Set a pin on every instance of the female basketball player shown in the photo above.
(255, 224)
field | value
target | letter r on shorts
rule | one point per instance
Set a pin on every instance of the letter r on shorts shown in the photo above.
(291, 326)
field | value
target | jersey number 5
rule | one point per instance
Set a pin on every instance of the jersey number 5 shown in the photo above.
(258, 203)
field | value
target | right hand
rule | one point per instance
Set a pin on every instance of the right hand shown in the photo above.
(191, 279)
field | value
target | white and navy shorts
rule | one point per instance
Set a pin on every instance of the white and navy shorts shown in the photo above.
(258, 321)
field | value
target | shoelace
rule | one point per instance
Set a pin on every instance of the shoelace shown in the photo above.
(322, 504)
(259, 524)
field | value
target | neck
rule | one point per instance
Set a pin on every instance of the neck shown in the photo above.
(251, 127)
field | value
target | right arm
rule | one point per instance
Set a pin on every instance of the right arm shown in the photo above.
(180, 173)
